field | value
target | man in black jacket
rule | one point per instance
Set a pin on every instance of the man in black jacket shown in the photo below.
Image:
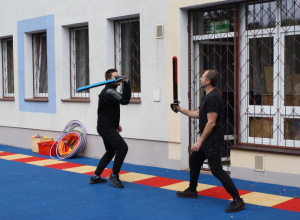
(108, 128)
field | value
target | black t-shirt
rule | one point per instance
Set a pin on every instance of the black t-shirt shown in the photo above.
(212, 102)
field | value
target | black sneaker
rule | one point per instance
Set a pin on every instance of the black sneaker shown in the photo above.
(115, 181)
(97, 179)
(187, 194)
(235, 206)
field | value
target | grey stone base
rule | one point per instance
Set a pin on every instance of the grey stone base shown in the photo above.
(266, 176)
(141, 152)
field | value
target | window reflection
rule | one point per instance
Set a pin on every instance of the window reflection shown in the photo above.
(290, 13)
(213, 22)
(261, 15)
(292, 70)
(292, 129)
(261, 127)
(261, 71)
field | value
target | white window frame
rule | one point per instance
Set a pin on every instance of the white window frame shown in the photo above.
(278, 111)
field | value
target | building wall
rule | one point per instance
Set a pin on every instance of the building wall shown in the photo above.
(150, 128)
(156, 136)
(278, 168)
(145, 123)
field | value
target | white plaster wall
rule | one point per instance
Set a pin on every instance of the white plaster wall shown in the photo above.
(153, 121)
(143, 121)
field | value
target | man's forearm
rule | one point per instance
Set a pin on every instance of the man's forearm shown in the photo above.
(189, 113)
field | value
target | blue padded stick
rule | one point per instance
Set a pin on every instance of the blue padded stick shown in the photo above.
(95, 85)
(118, 79)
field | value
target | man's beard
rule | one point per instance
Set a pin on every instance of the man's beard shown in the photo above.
(203, 85)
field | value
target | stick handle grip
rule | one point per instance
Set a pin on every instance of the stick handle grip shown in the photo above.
(172, 107)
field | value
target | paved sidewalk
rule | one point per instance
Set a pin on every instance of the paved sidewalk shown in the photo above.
(34, 186)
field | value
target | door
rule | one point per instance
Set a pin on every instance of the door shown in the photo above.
(213, 46)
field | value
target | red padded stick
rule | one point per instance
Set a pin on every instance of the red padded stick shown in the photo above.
(175, 80)
(175, 87)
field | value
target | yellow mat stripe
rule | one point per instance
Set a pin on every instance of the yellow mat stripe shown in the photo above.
(183, 185)
(132, 177)
(81, 169)
(14, 156)
(264, 199)
(45, 162)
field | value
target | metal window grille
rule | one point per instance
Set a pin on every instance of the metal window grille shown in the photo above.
(127, 52)
(7, 67)
(255, 46)
(40, 72)
(270, 73)
(79, 54)
(212, 45)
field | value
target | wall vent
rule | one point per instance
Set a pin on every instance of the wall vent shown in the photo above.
(159, 31)
(259, 163)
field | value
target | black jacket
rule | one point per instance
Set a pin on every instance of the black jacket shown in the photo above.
(109, 105)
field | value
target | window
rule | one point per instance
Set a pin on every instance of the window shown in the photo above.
(40, 72)
(290, 13)
(79, 58)
(127, 52)
(261, 15)
(261, 71)
(7, 68)
(292, 70)
(270, 73)
(212, 46)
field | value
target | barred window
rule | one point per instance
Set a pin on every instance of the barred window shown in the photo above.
(40, 72)
(270, 73)
(127, 52)
(7, 67)
(255, 46)
(79, 54)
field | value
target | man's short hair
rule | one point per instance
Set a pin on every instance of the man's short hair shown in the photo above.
(109, 72)
(213, 76)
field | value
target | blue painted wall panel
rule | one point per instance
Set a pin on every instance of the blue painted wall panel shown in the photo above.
(31, 25)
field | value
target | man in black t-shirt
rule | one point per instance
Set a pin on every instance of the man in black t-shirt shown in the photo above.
(108, 128)
(209, 144)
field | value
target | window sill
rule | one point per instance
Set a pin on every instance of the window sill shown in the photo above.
(137, 100)
(7, 99)
(82, 100)
(267, 149)
(37, 100)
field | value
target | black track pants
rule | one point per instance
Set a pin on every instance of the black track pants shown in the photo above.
(196, 161)
(115, 146)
